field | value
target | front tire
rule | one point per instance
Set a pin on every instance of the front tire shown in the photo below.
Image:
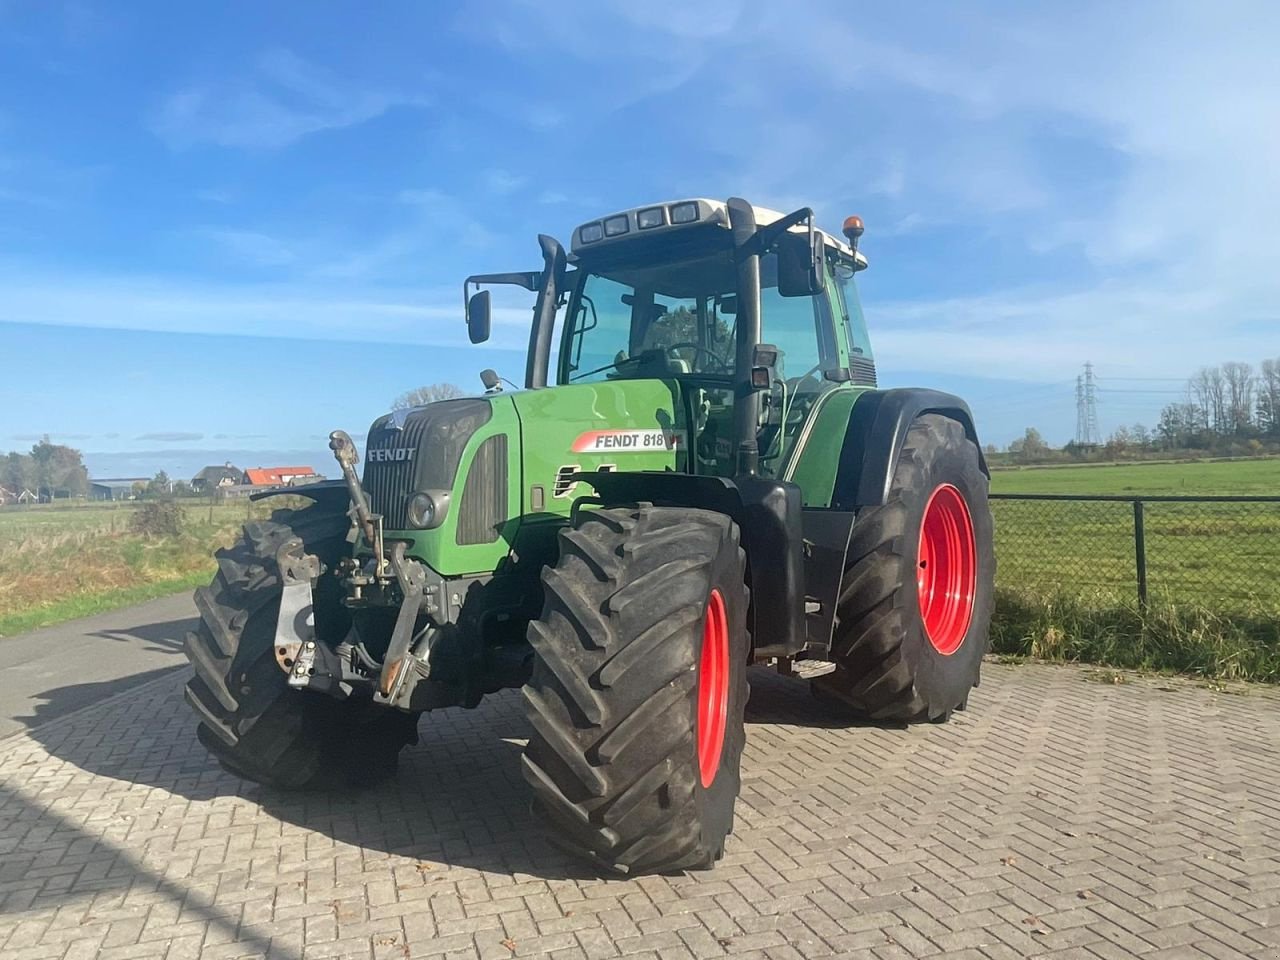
(249, 719)
(915, 604)
(639, 688)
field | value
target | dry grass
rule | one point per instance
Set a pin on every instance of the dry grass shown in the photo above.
(57, 563)
(1179, 637)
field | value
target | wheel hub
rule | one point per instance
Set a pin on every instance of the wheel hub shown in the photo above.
(947, 569)
(713, 688)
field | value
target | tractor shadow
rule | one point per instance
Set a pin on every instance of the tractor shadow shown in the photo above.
(778, 699)
(165, 637)
(458, 801)
(147, 644)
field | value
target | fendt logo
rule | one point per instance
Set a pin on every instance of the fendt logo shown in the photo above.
(394, 455)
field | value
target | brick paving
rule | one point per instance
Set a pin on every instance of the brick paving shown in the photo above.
(1059, 817)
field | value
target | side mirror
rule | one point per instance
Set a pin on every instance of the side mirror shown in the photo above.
(478, 317)
(800, 265)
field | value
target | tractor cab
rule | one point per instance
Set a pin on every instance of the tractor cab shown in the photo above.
(660, 293)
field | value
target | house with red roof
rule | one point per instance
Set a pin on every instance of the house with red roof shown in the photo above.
(280, 476)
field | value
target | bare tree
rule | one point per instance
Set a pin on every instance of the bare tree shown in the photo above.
(1239, 383)
(421, 396)
(1269, 397)
(1208, 390)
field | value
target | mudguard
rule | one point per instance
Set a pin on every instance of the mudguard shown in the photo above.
(874, 437)
(768, 514)
(330, 492)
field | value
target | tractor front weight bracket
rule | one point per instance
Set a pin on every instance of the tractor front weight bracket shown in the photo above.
(295, 623)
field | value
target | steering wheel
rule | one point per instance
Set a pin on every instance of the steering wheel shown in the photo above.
(698, 348)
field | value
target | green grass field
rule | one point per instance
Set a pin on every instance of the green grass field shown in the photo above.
(1235, 477)
(1223, 555)
(1067, 571)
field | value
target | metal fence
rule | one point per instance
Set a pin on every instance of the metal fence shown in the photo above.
(1219, 552)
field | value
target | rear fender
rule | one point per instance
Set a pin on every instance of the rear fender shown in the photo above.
(876, 433)
(874, 437)
(768, 514)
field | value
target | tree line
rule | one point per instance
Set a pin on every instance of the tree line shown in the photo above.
(1226, 405)
(49, 470)
(1230, 410)
(54, 471)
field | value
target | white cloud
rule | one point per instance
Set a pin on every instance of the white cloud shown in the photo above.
(251, 247)
(310, 311)
(503, 182)
(282, 100)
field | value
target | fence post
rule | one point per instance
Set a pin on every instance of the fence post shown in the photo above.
(1140, 552)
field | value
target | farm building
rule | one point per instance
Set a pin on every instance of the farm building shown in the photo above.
(280, 476)
(114, 488)
(18, 495)
(214, 477)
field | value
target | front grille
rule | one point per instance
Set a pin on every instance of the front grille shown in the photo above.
(484, 497)
(389, 485)
(423, 454)
(863, 371)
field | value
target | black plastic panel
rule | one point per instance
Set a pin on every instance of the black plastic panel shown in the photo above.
(877, 430)
(484, 497)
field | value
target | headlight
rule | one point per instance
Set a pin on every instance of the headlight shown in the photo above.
(617, 226)
(591, 232)
(427, 509)
(647, 219)
(684, 212)
(422, 511)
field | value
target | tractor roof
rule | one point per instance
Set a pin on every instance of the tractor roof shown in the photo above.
(675, 215)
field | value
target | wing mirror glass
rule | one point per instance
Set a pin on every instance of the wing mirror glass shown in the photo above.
(800, 264)
(478, 317)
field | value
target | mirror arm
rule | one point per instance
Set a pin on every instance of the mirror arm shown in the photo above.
(767, 236)
(527, 280)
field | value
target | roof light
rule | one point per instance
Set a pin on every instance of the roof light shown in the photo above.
(684, 212)
(591, 232)
(852, 229)
(653, 217)
(617, 226)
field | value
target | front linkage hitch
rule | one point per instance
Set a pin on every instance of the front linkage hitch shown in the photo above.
(389, 578)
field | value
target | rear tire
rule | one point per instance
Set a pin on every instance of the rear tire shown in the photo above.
(639, 688)
(249, 718)
(915, 604)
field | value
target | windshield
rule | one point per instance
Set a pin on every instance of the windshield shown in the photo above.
(679, 319)
(652, 321)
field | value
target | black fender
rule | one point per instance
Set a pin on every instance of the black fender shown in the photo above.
(330, 493)
(767, 512)
(873, 440)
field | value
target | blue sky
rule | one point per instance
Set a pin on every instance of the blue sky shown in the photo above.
(204, 208)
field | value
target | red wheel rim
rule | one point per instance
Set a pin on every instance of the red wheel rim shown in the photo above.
(713, 688)
(946, 569)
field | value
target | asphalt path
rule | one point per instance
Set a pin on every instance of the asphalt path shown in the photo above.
(58, 670)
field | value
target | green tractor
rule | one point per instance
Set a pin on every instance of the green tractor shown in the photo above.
(713, 481)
